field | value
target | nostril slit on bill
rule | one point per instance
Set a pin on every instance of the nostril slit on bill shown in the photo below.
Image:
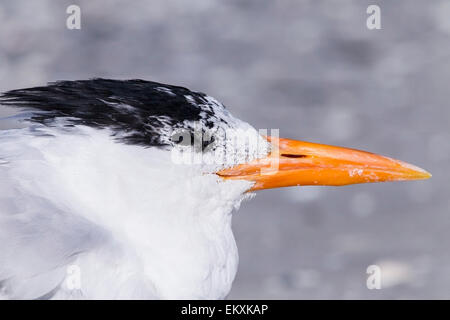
(293, 155)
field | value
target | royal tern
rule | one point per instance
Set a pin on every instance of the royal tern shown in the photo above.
(91, 179)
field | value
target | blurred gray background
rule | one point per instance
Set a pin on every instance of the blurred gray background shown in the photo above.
(312, 69)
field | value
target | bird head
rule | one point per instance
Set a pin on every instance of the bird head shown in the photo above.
(150, 114)
(243, 153)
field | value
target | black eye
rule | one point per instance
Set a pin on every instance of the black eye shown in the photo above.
(208, 143)
(293, 155)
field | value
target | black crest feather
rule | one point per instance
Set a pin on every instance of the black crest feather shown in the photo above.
(134, 108)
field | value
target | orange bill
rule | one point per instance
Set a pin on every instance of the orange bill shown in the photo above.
(299, 163)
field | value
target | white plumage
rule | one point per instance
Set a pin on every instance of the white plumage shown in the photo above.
(91, 182)
(136, 224)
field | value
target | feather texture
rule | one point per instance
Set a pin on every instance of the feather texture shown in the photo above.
(90, 182)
